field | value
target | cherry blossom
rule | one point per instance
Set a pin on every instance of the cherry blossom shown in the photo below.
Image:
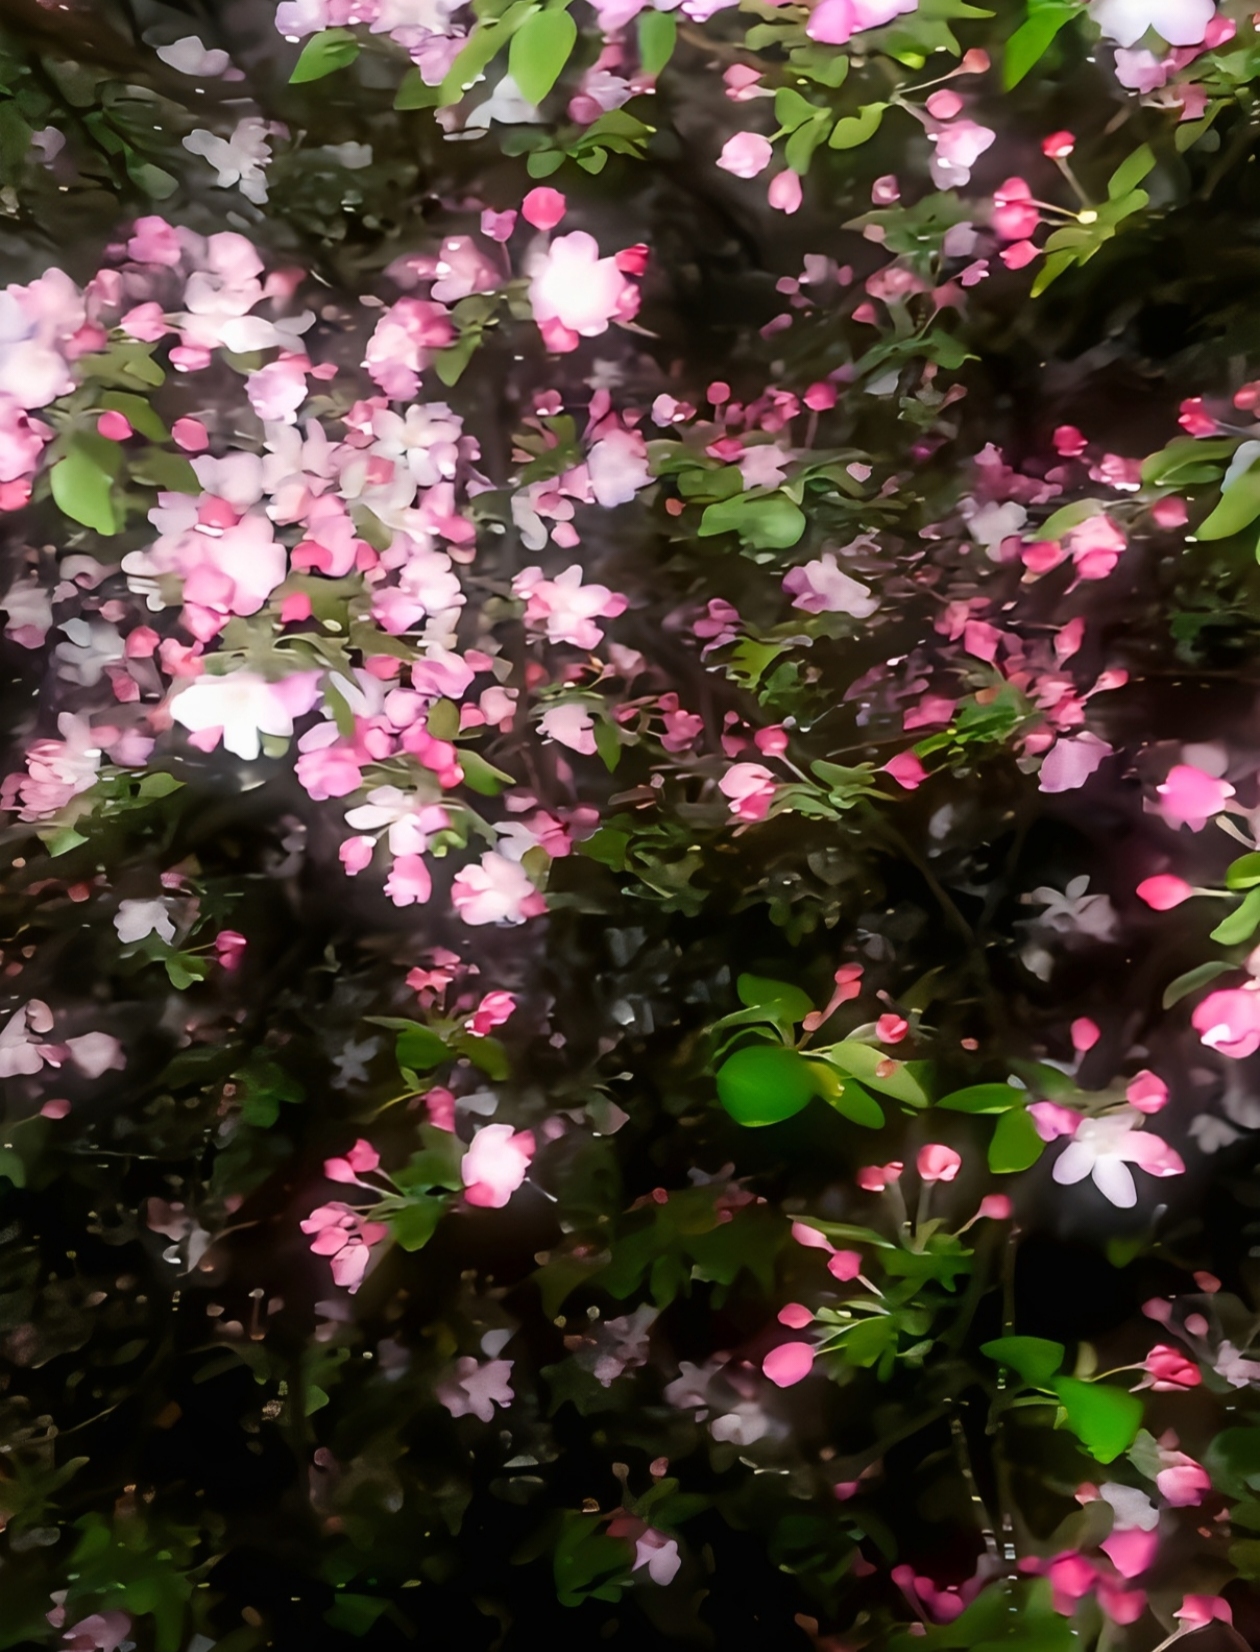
(1105, 1147)
(341, 1232)
(497, 891)
(1179, 22)
(575, 293)
(496, 1164)
(822, 587)
(1189, 797)
(475, 1387)
(745, 154)
(789, 1363)
(240, 708)
(1229, 1021)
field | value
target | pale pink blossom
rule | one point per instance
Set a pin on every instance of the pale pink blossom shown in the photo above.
(570, 725)
(575, 293)
(659, 1554)
(1229, 1021)
(1105, 1147)
(958, 147)
(822, 587)
(617, 465)
(750, 787)
(833, 22)
(1179, 22)
(240, 708)
(96, 1053)
(875, 1178)
(475, 1388)
(1189, 797)
(341, 1232)
(746, 154)
(784, 193)
(1069, 763)
(496, 1164)
(496, 891)
(564, 608)
(404, 343)
(1147, 1092)
(348, 1168)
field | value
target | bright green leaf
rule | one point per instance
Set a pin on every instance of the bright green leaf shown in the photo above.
(1104, 1419)
(1193, 979)
(1032, 39)
(420, 1048)
(1035, 1358)
(1241, 923)
(764, 1084)
(880, 1072)
(1016, 1145)
(540, 48)
(658, 32)
(1238, 508)
(852, 130)
(983, 1098)
(323, 54)
(766, 523)
(1243, 873)
(781, 998)
(83, 490)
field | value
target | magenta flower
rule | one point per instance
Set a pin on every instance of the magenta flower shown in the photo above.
(1229, 1021)
(1191, 798)
(789, 1363)
(1168, 1371)
(938, 1163)
(340, 1232)
(1163, 892)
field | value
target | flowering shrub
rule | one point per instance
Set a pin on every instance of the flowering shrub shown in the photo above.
(631, 823)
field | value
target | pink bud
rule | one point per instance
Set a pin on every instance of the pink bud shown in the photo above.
(1085, 1034)
(810, 1237)
(544, 207)
(191, 435)
(498, 226)
(56, 1107)
(874, 1178)
(1147, 1092)
(1197, 1611)
(1158, 1309)
(789, 1363)
(784, 194)
(1163, 891)
(944, 105)
(996, 1206)
(1170, 512)
(975, 62)
(906, 770)
(1058, 146)
(114, 427)
(938, 1163)
(795, 1315)
(845, 1264)
(819, 397)
(891, 1029)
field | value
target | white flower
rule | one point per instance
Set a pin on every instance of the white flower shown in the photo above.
(241, 159)
(507, 105)
(1134, 1509)
(190, 57)
(135, 920)
(242, 707)
(1104, 1148)
(1179, 22)
(1075, 911)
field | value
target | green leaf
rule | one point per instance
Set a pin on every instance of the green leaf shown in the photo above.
(83, 490)
(413, 93)
(765, 1084)
(354, 1614)
(1129, 174)
(486, 1053)
(1239, 506)
(1015, 1145)
(800, 147)
(772, 523)
(1243, 873)
(138, 412)
(1031, 40)
(12, 1167)
(481, 777)
(1187, 459)
(323, 54)
(419, 1048)
(1241, 923)
(852, 130)
(784, 1001)
(1051, 270)
(658, 32)
(863, 1062)
(792, 110)
(1193, 979)
(1105, 1420)
(587, 1563)
(541, 47)
(608, 744)
(487, 39)
(415, 1224)
(1068, 517)
(984, 1098)
(868, 1340)
(1035, 1358)
(847, 1096)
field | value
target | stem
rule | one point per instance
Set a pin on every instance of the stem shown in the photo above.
(963, 1454)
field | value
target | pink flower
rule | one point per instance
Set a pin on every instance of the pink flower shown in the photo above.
(996, 1207)
(785, 194)
(822, 587)
(496, 1164)
(618, 467)
(906, 770)
(340, 1232)
(874, 1178)
(789, 1363)
(746, 154)
(1169, 1371)
(795, 1316)
(1085, 1034)
(403, 344)
(891, 1029)
(575, 293)
(1058, 146)
(494, 1009)
(1130, 1550)
(1163, 891)
(1069, 763)
(566, 607)
(1229, 1021)
(496, 891)
(96, 1053)
(1191, 798)
(958, 147)
(833, 22)
(474, 1389)
(570, 725)
(1014, 217)
(362, 1156)
(1051, 1121)
(230, 945)
(101, 1632)
(544, 207)
(1147, 1092)
(1197, 1611)
(1105, 1147)
(1182, 1482)
(750, 788)
(409, 883)
(659, 1554)
(844, 1265)
(938, 1163)
(1096, 545)
(810, 1237)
